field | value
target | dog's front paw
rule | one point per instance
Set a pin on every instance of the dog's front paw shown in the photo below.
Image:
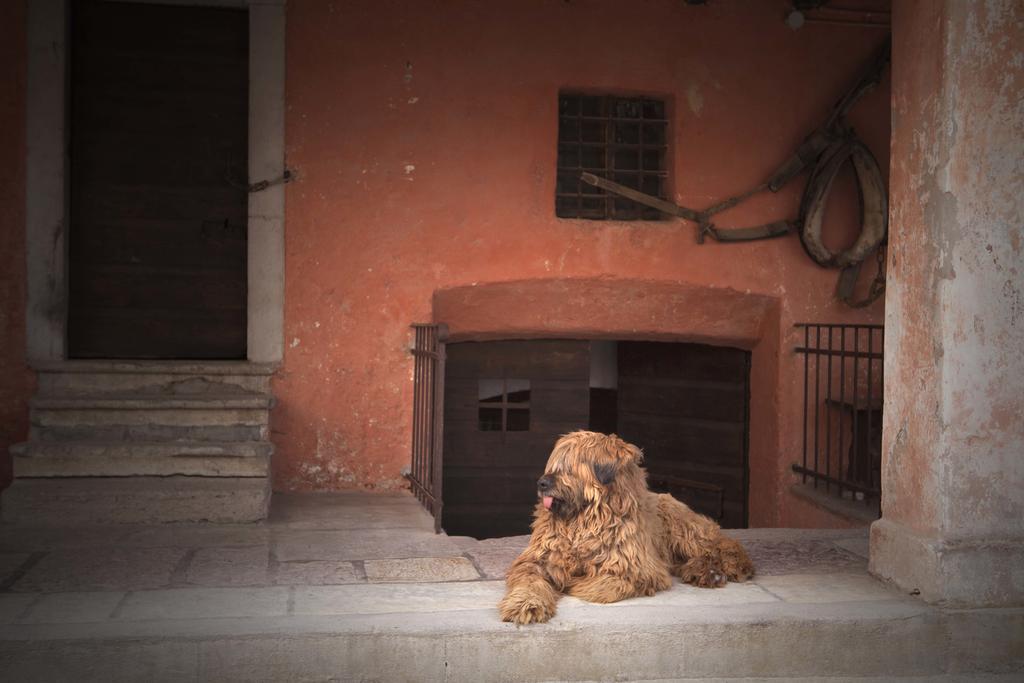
(735, 560)
(523, 606)
(703, 573)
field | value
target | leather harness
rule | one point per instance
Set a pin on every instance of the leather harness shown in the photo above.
(824, 151)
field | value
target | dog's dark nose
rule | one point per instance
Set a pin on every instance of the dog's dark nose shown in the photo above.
(545, 483)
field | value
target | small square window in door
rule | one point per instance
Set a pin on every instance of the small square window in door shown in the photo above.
(504, 405)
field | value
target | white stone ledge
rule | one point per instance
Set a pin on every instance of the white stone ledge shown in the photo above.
(778, 639)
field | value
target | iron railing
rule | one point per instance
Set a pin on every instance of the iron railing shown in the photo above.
(425, 474)
(842, 409)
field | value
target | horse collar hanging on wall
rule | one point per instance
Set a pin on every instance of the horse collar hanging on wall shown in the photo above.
(824, 151)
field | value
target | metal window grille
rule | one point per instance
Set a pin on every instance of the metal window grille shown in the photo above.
(842, 409)
(623, 139)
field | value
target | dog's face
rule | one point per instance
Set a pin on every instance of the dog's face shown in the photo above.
(586, 468)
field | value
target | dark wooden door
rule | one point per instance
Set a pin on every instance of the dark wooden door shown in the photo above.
(506, 403)
(686, 406)
(159, 140)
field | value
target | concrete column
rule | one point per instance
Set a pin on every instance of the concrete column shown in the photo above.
(46, 181)
(266, 162)
(952, 523)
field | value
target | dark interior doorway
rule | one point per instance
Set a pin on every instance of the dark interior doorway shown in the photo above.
(686, 405)
(159, 158)
(507, 402)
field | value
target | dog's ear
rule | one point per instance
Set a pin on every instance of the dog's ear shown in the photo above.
(624, 452)
(604, 472)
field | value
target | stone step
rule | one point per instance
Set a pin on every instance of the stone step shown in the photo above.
(139, 401)
(210, 417)
(145, 441)
(214, 433)
(451, 632)
(134, 500)
(93, 376)
(142, 458)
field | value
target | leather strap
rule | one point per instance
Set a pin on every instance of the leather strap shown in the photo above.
(824, 151)
(757, 232)
(873, 204)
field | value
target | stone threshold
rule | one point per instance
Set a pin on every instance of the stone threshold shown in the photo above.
(801, 626)
(851, 510)
(356, 586)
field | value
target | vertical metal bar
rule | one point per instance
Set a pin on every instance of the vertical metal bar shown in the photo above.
(828, 417)
(609, 153)
(881, 399)
(746, 442)
(417, 417)
(432, 425)
(413, 473)
(438, 441)
(855, 458)
(817, 399)
(579, 152)
(807, 356)
(641, 175)
(424, 389)
(870, 439)
(842, 405)
(429, 475)
(424, 414)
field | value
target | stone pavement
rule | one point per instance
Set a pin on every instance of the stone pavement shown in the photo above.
(358, 587)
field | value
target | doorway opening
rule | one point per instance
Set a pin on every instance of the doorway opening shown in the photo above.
(506, 402)
(158, 181)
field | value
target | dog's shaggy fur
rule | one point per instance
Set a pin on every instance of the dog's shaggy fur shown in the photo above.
(599, 534)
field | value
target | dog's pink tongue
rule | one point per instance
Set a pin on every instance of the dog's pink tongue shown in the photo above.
(547, 502)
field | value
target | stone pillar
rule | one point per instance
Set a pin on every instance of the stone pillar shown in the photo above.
(952, 523)
(46, 217)
(266, 163)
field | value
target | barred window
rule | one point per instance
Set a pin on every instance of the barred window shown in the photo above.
(623, 139)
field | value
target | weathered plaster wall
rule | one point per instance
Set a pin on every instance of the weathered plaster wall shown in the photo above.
(953, 471)
(983, 326)
(423, 136)
(14, 377)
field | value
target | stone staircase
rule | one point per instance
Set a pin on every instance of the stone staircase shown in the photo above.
(145, 442)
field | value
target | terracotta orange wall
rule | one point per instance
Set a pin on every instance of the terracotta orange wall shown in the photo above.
(423, 137)
(14, 376)
(424, 142)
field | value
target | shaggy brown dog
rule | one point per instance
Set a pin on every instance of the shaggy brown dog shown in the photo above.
(600, 535)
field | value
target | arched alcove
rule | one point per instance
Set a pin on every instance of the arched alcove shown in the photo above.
(638, 310)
